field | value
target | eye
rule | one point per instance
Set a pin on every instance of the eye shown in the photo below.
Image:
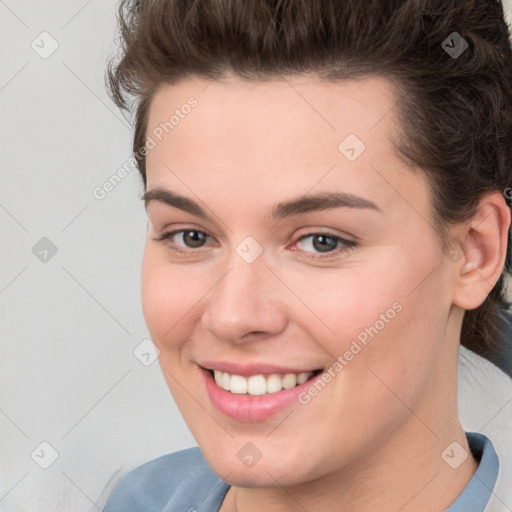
(323, 243)
(188, 238)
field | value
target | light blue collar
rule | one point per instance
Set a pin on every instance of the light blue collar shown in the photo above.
(475, 496)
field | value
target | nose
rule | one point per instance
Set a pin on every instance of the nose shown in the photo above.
(246, 304)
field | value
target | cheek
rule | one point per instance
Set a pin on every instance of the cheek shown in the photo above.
(388, 316)
(338, 306)
(169, 297)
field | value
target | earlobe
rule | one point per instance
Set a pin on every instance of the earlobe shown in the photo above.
(484, 240)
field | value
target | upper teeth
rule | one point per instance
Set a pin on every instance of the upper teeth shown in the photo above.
(259, 384)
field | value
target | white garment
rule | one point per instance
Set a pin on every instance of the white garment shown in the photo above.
(485, 406)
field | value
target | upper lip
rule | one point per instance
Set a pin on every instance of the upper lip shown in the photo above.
(248, 369)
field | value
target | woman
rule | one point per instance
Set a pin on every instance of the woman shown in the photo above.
(325, 188)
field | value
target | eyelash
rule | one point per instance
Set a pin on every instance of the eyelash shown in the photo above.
(346, 244)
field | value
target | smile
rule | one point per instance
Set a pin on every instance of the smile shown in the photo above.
(255, 396)
(259, 384)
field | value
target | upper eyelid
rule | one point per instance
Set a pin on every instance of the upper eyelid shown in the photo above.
(344, 238)
(322, 233)
(300, 237)
(173, 232)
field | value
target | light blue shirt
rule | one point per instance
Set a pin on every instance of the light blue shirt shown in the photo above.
(184, 482)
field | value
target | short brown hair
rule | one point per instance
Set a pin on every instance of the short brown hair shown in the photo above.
(455, 111)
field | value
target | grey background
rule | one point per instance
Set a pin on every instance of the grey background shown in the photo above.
(70, 324)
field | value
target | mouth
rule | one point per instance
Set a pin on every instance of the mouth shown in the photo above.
(255, 396)
(260, 384)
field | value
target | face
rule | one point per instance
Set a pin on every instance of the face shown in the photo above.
(298, 263)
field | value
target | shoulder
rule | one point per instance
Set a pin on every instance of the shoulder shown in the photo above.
(171, 479)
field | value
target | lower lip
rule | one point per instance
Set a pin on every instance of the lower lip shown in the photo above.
(252, 407)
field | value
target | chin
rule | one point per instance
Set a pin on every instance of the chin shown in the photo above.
(272, 471)
(259, 476)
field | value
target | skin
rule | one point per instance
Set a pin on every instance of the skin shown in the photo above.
(372, 439)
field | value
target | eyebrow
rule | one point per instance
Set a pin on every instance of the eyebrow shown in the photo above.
(303, 204)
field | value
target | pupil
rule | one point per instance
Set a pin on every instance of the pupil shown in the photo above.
(194, 238)
(324, 243)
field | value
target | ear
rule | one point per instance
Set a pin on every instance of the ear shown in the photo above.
(484, 241)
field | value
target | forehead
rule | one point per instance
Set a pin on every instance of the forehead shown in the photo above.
(269, 134)
(298, 108)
